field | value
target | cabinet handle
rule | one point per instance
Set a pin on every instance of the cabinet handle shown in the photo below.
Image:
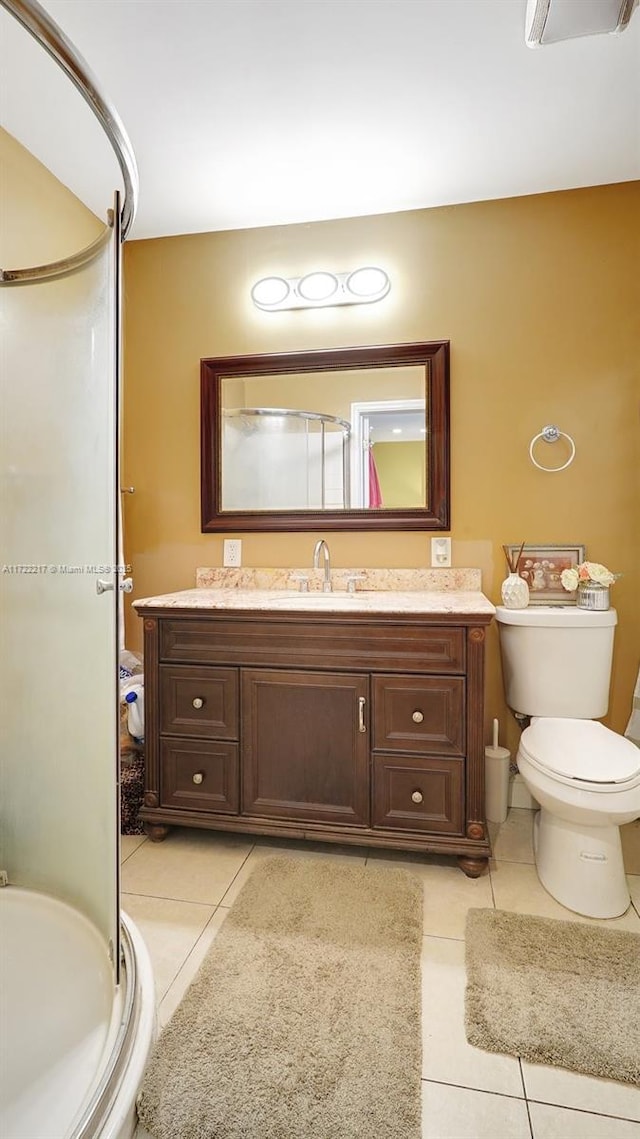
(415, 798)
(361, 704)
(417, 717)
(198, 777)
(198, 702)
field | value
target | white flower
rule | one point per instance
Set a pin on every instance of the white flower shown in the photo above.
(599, 573)
(586, 573)
(569, 579)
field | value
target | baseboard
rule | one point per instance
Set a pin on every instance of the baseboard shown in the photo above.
(519, 795)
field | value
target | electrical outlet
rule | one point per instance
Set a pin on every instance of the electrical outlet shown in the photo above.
(232, 555)
(441, 551)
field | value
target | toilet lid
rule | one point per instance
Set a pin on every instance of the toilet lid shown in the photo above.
(581, 749)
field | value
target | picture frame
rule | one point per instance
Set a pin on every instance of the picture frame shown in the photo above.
(541, 567)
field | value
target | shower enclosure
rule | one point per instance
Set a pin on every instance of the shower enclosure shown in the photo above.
(77, 1015)
(280, 458)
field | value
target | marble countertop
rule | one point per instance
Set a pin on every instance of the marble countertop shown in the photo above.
(449, 601)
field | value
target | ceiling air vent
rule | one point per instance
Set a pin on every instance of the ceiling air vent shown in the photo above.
(549, 21)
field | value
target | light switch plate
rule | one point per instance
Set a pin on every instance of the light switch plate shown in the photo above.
(441, 552)
(232, 552)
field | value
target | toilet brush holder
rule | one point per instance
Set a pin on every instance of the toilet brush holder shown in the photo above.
(496, 782)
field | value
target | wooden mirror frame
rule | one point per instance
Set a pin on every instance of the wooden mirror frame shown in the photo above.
(435, 516)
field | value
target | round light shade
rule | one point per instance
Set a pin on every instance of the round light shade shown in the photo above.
(270, 291)
(317, 286)
(369, 283)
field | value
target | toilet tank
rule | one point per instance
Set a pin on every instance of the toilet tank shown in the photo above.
(557, 661)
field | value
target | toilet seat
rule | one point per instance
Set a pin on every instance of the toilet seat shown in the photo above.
(582, 753)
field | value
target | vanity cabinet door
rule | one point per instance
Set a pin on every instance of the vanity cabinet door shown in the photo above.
(305, 746)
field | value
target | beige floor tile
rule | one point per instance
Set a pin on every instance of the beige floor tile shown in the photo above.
(129, 843)
(190, 865)
(630, 837)
(445, 1051)
(569, 1089)
(517, 887)
(170, 930)
(272, 849)
(634, 889)
(562, 1123)
(512, 840)
(457, 1113)
(448, 894)
(179, 986)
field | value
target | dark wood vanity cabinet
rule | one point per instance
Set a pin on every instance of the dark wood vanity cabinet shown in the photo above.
(365, 729)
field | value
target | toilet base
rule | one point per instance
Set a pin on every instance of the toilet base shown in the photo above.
(580, 866)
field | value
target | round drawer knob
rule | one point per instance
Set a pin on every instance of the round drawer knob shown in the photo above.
(199, 777)
(416, 797)
(198, 702)
(417, 717)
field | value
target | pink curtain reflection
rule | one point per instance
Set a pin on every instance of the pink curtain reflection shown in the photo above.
(375, 494)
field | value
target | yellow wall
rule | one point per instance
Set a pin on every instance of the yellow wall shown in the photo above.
(539, 297)
(401, 472)
(40, 219)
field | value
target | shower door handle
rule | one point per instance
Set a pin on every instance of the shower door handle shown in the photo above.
(104, 586)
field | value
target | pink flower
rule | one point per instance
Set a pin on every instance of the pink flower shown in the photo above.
(587, 571)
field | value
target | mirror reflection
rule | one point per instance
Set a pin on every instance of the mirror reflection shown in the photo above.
(324, 440)
(334, 439)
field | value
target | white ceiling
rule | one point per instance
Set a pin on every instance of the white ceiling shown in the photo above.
(262, 112)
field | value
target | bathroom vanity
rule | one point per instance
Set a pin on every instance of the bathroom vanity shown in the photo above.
(344, 717)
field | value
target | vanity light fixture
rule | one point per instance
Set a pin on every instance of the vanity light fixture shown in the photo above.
(270, 291)
(321, 289)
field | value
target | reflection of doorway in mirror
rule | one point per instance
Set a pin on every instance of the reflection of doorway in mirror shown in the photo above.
(388, 454)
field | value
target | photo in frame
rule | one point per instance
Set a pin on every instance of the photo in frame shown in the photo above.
(541, 567)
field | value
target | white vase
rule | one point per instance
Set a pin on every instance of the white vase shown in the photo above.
(515, 592)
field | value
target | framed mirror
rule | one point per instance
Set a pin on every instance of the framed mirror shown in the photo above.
(341, 439)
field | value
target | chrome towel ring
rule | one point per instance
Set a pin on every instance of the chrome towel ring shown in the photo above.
(551, 434)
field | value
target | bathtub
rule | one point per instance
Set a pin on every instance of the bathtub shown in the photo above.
(73, 1046)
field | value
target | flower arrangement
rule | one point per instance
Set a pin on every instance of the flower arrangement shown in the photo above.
(587, 573)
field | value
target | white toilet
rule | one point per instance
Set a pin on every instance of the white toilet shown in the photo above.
(557, 668)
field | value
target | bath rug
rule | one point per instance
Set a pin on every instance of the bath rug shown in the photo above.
(554, 992)
(304, 1019)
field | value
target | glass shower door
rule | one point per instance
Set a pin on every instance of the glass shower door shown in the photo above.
(58, 539)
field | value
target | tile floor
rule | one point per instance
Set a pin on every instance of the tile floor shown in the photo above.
(180, 891)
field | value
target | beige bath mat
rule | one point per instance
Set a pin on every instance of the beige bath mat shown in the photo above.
(554, 992)
(304, 1020)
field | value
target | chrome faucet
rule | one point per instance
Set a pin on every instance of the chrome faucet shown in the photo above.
(321, 545)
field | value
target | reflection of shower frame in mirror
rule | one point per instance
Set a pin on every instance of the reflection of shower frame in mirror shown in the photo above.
(332, 383)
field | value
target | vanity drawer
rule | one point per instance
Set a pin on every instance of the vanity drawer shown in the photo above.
(199, 702)
(419, 713)
(320, 640)
(199, 776)
(418, 794)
